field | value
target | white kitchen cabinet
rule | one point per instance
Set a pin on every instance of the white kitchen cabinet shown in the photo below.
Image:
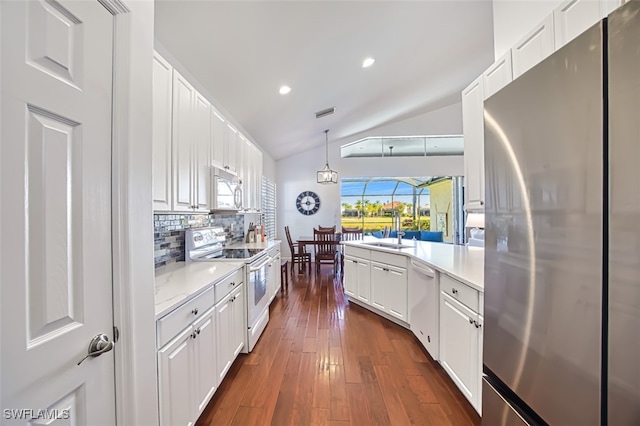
(461, 337)
(389, 289)
(573, 17)
(363, 280)
(190, 147)
(201, 153)
(247, 173)
(187, 376)
(238, 326)
(350, 276)
(161, 121)
(534, 47)
(204, 349)
(256, 179)
(497, 76)
(231, 329)
(424, 306)
(473, 130)
(182, 143)
(273, 278)
(229, 148)
(176, 369)
(218, 128)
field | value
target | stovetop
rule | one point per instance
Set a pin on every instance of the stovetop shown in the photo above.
(238, 253)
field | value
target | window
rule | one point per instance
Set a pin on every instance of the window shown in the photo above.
(424, 204)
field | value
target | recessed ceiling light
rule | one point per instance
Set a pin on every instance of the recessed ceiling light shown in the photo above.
(368, 62)
(284, 90)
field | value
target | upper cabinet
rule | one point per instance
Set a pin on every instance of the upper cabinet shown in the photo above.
(161, 163)
(573, 17)
(218, 128)
(566, 22)
(189, 137)
(229, 149)
(184, 96)
(534, 47)
(473, 128)
(497, 75)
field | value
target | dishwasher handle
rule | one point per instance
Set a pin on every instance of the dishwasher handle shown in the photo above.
(425, 270)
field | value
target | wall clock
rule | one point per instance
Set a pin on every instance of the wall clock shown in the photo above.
(308, 202)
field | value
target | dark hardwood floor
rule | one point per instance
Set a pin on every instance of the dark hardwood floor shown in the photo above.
(324, 361)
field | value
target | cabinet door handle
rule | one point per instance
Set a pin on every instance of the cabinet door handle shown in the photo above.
(454, 291)
(233, 283)
(385, 269)
(477, 324)
(195, 311)
(471, 321)
(194, 335)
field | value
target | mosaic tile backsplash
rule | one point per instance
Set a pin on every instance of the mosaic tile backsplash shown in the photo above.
(169, 233)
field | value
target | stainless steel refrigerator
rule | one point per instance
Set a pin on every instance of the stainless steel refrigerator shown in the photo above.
(562, 235)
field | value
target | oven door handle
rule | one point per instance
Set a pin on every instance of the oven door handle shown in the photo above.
(260, 265)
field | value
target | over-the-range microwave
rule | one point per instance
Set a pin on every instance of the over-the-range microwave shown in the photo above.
(226, 191)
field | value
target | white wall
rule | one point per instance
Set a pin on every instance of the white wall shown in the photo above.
(513, 19)
(298, 173)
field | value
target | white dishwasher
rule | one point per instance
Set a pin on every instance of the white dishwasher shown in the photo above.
(424, 302)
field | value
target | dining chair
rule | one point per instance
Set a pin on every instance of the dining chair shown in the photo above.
(327, 228)
(301, 258)
(350, 234)
(325, 246)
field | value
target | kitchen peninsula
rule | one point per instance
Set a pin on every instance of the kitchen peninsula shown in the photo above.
(434, 289)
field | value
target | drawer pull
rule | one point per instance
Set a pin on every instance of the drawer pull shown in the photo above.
(198, 330)
(194, 335)
(471, 321)
(195, 311)
(454, 291)
(233, 283)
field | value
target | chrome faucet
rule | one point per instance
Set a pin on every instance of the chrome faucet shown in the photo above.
(398, 230)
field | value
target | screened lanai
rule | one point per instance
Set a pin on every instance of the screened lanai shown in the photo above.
(371, 203)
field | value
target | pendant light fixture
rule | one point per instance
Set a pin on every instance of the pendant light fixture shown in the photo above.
(327, 175)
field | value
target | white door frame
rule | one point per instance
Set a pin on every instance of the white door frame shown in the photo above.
(132, 213)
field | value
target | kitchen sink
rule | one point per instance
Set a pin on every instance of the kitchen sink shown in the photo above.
(387, 245)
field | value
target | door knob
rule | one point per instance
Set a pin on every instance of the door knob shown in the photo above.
(98, 345)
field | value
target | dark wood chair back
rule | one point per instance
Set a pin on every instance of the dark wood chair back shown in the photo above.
(327, 228)
(350, 234)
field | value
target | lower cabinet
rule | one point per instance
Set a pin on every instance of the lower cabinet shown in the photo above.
(363, 281)
(389, 289)
(273, 276)
(187, 372)
(199, 341)
(350, 276)
(461, 340)
(231, 327)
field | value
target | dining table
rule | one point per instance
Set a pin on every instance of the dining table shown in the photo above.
(309, 240)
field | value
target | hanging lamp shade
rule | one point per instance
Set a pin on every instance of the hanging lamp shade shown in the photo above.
(326, 175)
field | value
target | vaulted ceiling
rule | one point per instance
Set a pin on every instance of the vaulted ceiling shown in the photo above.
(241, 52)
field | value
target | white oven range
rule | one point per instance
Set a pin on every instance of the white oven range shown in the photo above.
(207, 244)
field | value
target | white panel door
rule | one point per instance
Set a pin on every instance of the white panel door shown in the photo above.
(459, 345)
(379, 277)
(238, 327)
(224, 317)
(396, 290)
(162, 92)
(182, 142)
(473, 129)
(498, 75)
(201, 153)
(350, 277)
(218, 128)
(176, 375)
(230, 148)
(55, 163)
(204, 344)
(573, 17)
(534, 47)
(364, 281)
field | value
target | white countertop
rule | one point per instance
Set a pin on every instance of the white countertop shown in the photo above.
(184, 280)
(265, 245)
(463, 263)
